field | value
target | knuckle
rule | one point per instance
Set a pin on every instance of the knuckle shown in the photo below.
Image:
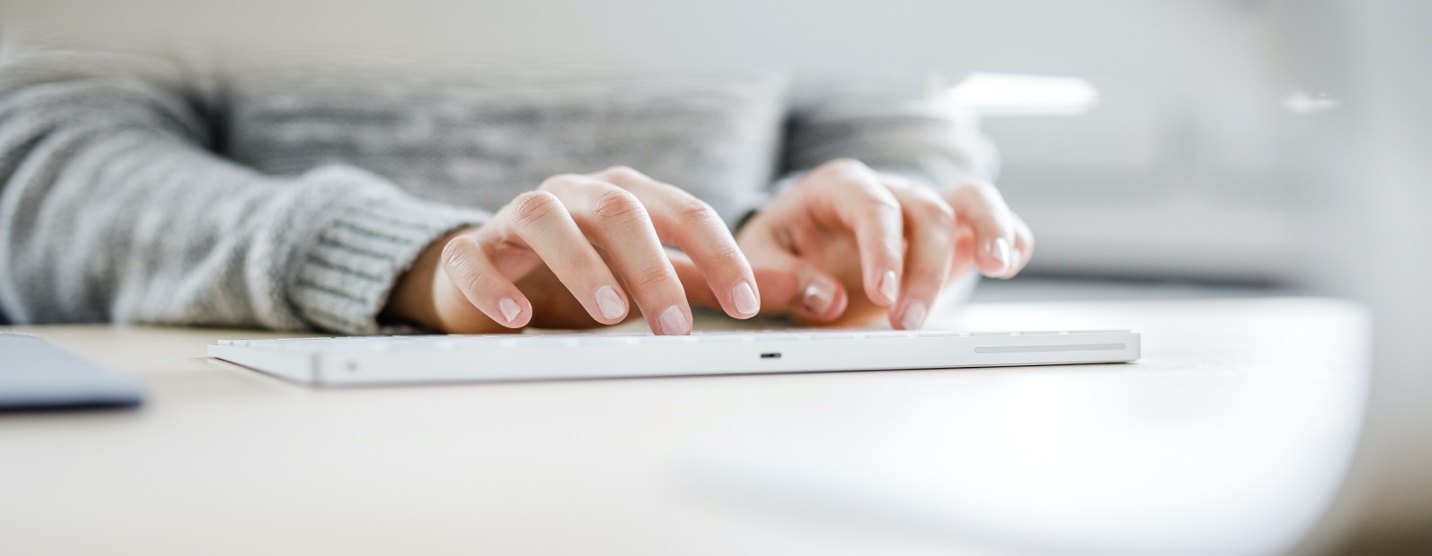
(621, 173)
(617, 204)
(453, 250)
(457, 250)
(882, 204)
(465, 275)
(846, 165)
(534, 206)
(897, 181)
(841, 169)
(724, 259)
(731, 253)
(988, 192)
(692, 210)
(651, 278)
(976, 191)
(558, 181)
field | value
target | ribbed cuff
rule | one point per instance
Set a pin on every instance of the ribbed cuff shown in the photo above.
(344, 277)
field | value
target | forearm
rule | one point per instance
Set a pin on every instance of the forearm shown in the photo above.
(179, 237)
(112, 210)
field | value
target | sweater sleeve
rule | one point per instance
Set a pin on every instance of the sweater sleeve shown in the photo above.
(924, 140)
(113, 208)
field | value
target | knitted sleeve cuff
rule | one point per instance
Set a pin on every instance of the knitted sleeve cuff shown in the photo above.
(343, 279)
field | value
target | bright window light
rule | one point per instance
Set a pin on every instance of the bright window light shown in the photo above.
(1005, 94)
(1303, 102)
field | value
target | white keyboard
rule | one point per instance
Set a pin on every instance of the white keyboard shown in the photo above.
(366, 360)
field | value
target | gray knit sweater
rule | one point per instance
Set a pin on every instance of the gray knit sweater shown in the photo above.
(286, 195)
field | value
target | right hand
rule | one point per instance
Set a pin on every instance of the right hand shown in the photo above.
(860, 246)
(579, 248)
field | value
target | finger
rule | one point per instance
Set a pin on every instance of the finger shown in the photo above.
(617, 221)
(682, 220)
(862, 204)
(930, 230)
(540, 221)
(1023, 245)
(981, 207)
(468, 268)
(791, 285)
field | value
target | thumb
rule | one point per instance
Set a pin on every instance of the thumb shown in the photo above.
(792, 285)
(787, 285)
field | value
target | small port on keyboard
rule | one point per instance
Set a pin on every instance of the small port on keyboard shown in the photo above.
(771, 355)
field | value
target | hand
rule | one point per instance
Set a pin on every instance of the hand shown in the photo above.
(572, 254)
(846, 245)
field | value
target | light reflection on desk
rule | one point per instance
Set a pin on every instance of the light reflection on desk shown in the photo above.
(1230, 436)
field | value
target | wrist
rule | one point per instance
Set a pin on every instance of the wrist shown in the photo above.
(411, 298)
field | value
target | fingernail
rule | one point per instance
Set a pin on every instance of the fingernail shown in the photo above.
(745, 299)
(673, 322)
(999, 249)
(914, 316)
(509, 309)
(609, 303)
(888, 286)
(817, 298)
(1015, 257)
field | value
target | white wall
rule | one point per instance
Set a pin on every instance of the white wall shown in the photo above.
(1370, 172)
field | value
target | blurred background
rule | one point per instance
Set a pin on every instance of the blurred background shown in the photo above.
(1175, 148)
(1182, 168)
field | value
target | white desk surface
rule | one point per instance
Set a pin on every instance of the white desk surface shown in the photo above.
(1230, 434)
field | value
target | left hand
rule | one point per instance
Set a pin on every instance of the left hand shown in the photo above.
(575, 253)
(846, 244)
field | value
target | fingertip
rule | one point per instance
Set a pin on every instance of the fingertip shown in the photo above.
(674, 321)
(511, 312)
(1001, 250)
(883, 289)
(889, 287)
(912, 317)
(822, 299)
(611, 308)
(745, 301)
(1017, 261)
(467, 269)
(997, 258)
